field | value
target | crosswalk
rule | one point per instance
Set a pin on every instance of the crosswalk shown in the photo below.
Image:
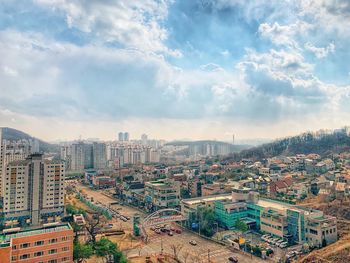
(216, 253)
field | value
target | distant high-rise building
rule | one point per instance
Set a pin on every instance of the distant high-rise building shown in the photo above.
(126, 136)
(99, 155)
(233, 139)
(120, 136)
(144, 139)
(88, 156)
(77, 157)
(33, 191)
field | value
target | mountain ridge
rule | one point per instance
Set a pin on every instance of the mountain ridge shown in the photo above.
(12, 134)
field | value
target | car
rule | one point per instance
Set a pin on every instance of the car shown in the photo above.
(157, 231)
(279, 242)
(193, 242)
(290, 254)
(283, 245)
(274, 240)
(233, 259)
(163, 229)
(153, 228)
(170, 233)
(128, 217)
(178, 231)
(172, 228)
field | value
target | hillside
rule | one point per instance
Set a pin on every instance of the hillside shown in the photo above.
(13, 134)
(320, 143)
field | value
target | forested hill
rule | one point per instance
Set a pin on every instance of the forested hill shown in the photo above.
(320, 143)
(14, 135)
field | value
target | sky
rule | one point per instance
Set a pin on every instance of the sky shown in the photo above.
(199, 69)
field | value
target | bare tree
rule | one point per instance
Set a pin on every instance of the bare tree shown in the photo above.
(176, 248)
(185, 256)
(93, 223)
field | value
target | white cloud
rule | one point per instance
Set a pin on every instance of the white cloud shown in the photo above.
(9, 71)
(284, 34)
(320, 52)
(134, 24)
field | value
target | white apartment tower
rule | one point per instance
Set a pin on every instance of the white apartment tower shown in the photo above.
(77, 157)
(33, 191)
(12, 151)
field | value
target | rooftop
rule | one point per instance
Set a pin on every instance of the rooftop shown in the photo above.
(34, 231)
(211, 198)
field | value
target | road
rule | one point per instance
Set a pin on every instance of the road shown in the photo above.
(196, 254)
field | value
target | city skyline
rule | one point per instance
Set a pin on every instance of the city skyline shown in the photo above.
(174, 69)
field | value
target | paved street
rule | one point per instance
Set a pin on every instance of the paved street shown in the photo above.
(198, 253)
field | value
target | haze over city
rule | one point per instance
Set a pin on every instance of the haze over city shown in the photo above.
(174, 69)
(174, 131)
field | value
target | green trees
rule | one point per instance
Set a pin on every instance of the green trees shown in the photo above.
(241, 226)
(102, 248)
(207, 221)
(107, 249)
(82, 252)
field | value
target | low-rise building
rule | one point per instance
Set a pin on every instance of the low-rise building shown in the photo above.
(162, 194)
(282, 220)
(50, 243)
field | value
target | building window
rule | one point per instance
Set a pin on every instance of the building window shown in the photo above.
(65, 248)
(25, 245)
(65, 259)
(52, 251)
(38, 254)
(64, 238)
(54, 240)
(39, 243)
(24, 256)
(14, 258)
(52, 261)
(14, 247)
(314, 232)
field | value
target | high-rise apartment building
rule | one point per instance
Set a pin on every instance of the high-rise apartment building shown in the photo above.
(77, 157)
(12, 151)
(120, 136)
(126, 136)
(99, 155)
(33, 191)
(82, 155)
(88, 156)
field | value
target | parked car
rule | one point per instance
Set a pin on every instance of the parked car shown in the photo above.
(157, 231)
(283, 245)
(233, 259)
(178, 231)
(170, 233)
(279, 242)
(193, 242)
